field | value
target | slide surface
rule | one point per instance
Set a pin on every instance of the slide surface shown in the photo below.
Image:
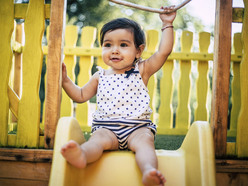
(193, 164)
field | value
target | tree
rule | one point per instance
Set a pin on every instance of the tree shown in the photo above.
(97, 12)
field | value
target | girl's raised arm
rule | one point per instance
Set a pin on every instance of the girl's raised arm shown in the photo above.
(156, 61)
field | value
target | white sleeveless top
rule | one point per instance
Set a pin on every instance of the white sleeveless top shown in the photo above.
(122, 97)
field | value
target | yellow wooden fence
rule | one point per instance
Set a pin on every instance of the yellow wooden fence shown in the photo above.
(88, 54)
(175, 77)
(26, 107)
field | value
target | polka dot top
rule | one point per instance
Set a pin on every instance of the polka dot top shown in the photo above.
(122, 96)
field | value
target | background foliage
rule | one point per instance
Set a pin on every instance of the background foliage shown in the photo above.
(97, 12)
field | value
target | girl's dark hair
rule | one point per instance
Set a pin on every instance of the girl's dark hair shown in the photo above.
(124, 23)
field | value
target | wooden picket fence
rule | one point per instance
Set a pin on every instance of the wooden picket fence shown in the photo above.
(172, 121)
(171, 89)
(162, 89)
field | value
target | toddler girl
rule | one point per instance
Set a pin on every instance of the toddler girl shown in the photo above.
(122, 119)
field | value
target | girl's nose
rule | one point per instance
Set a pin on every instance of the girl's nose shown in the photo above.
(115, 50)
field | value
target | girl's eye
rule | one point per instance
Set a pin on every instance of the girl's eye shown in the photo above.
(107, 45)
(124, 45)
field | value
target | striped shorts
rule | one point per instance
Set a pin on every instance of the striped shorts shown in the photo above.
(122, 129)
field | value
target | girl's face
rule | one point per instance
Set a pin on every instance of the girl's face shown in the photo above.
(119, 51)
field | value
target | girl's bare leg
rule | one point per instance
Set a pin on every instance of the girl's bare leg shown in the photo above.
(141, 142)
(90, 151)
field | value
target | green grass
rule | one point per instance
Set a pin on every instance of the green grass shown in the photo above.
(168, 142)
(161, 141)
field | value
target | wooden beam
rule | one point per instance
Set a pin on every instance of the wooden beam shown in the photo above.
(31, 155)
(54, 60)
(231, 179)
(21, 9)
(221, 74)
(232, 166)
(18, 173)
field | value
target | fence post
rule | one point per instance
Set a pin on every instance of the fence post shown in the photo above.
(7, 26)
(100, 61)
(184, 84)
(236, 101)
(221, 75)
(242, 131)
(152, 43)
(166, 93)
(201, 112)
(71, 36)
(29, 105)
(54, 59)
(88, 37)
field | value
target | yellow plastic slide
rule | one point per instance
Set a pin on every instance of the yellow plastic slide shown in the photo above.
(193, 164)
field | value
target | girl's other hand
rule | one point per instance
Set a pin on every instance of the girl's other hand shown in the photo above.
(64, 72)
(168, 18)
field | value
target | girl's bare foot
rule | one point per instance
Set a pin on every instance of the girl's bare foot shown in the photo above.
(153, 177)
(73, 153)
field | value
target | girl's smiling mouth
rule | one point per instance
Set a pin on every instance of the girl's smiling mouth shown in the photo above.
(115, 59)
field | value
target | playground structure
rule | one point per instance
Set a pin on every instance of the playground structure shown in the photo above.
(28, 132)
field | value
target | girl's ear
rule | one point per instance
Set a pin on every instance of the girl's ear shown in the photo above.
(140, 50)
